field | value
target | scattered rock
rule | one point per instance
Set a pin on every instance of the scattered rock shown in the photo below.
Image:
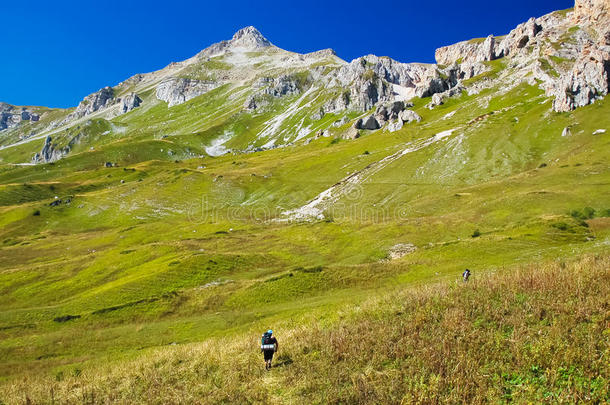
(437, 99)
(599, 131)
(369, 123)
(409, 116)
(351, 133)
(395, 125)
(566, 132)
(400, 250)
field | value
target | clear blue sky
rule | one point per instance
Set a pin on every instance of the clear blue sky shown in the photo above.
(54, 53)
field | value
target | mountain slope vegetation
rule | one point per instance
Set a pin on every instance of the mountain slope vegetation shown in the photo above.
(161, 224)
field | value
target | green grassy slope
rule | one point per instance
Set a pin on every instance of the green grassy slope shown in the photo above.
(173, 245)
(527, 335)
(184, 247)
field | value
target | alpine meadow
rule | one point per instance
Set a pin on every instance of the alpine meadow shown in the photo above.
(149, 235)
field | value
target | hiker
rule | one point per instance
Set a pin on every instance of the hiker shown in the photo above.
(268, 346)
(465, 275)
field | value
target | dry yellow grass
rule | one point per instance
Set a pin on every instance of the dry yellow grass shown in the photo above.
(532, 335)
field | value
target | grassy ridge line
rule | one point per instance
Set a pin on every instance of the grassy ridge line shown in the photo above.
(536, 334)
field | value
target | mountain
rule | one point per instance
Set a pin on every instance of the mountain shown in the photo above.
(568, 61)
(149, 234)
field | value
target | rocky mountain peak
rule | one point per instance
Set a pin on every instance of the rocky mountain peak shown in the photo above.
(250, 37)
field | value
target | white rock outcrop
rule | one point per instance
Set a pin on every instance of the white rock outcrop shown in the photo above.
(176, 90)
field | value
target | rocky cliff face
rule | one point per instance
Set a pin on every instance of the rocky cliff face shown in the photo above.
(592, 11)
(50, 152)
(129, 102)
(176, 90)
(94, 102)
(371, 80)
(579, 79)
(269, 87)
(104, 99)
(11, 116)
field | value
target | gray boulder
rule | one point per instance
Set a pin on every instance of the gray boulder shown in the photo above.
(409, 116)
(369, 123)
(437, 99)
(395, 125)
(351, 133)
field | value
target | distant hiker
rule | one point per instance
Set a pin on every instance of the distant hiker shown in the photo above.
(466, 275)
(268, 346)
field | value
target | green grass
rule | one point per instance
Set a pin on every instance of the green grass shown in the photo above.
(532, 334)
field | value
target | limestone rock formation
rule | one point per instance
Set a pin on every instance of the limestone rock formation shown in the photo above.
(372, 80)
(284, 85)
(530, 47)
(94, 102)
(592, 11)
(524, 34)
(49, 152)
(472, 51)
(11, 116)
(175, 90)
(129, 102)
(587, 81)
(409, 116)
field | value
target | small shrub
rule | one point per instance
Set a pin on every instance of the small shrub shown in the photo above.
(65, 318)
(366, 152)
(335, 141)
(562, 226)
(36, 213)
(588, 212)
(476, 233)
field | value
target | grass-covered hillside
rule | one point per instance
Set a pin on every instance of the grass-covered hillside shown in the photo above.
(536, 334)
(143, 264)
